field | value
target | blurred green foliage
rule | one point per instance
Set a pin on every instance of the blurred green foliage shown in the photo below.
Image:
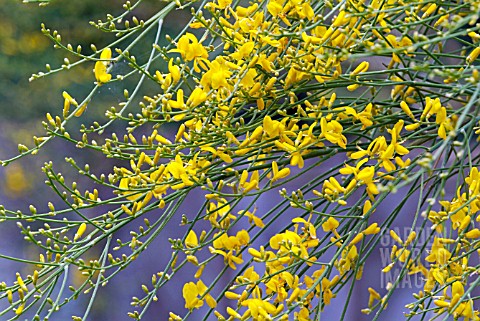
(24, 50)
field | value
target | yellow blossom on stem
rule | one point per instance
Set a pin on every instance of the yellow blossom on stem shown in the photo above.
(100, 70)
(195, 294)
(189, 47)
(332, 131)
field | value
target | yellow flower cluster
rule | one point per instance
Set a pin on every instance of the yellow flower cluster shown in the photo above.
(351, 99)
(450, 260)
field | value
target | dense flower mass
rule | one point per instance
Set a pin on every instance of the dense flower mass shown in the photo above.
(338, 106)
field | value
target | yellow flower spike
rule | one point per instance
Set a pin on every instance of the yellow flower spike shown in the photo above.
(243, 51)
(455, 298)
(256, 133)
(260, 104)
(253, 219)
(441, 20)
(243, 178)
(351, 186)
(327, 34)
(106, 54)
(162, 140)
(81, 229)
(393, 252)
(254, 253)
(68, 100)
(197, 97)
(366, 174)
(270, 83)
(243, 237)
(180, 132)
(161, 204)
(374, 294)
(284, 172)
(274, 8)
(274, 168)
(189, 47)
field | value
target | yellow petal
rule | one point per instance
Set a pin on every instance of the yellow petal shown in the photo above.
(191, 241)
(101, 74)
(106, 54)
(80, 110)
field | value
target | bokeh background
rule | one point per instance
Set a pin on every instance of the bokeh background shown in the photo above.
(23, 105)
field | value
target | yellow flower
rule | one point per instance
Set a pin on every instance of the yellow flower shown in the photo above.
(243, 51)
(189, 48)
(275, 7)
(178, 170)
(229, 258)
(197, 97)
(252, 218)
(68, 100)
(332, 187)
(259, 309)
(279, 174)
(438, 253)
(250, 185)
(366, 176)
(174, 71)
(191, 241)
(365, 117)
(194, 294)
(217, 75)
(444, 122)
(332, 131)
(330, 224)
(100, 70)
(126, 185)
